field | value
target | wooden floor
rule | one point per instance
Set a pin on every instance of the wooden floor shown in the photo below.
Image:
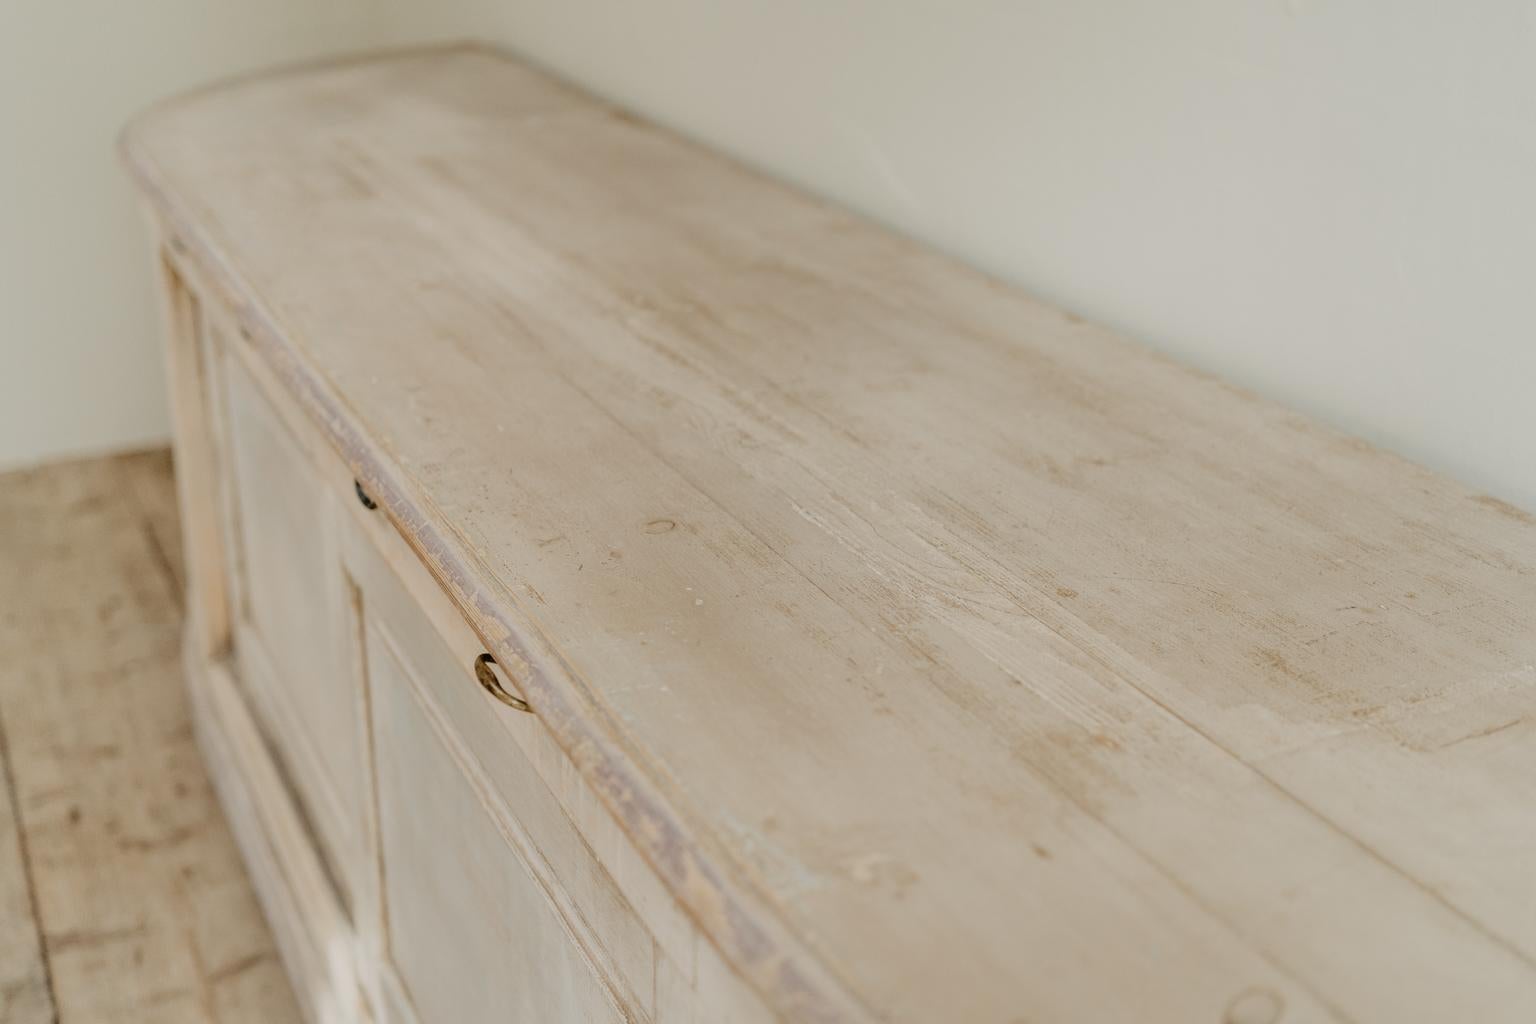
(122, 896)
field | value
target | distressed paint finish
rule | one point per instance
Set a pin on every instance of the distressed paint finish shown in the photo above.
(948, 657)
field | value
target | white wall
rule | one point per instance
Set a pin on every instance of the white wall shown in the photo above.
(79, 354)
(1331, 202)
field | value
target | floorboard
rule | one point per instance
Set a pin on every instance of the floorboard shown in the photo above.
(122, 864)
(25, 992)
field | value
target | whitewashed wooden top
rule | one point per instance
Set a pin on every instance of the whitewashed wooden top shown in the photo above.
(951, 658)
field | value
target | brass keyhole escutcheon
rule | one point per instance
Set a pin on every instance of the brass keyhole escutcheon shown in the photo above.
(485, 672)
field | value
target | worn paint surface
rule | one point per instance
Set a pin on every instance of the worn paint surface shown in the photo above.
(949, 657)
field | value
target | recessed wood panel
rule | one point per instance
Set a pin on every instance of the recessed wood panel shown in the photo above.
(292, 636)
(470, 933)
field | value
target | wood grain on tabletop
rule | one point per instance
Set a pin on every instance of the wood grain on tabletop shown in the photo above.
(140, 910)
(983, 665)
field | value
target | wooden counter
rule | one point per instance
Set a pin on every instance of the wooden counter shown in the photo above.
(943, 657)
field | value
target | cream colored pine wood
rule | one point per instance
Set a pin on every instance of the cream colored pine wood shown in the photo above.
(608, 899)
(538, 836)
(295, 884)
(200, 560)
(145, 912)
(292, 632)
(948, 658)
(473, 934)
(609, 879)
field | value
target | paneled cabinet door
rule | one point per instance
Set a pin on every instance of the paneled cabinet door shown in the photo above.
(470, 934)
(292, 641)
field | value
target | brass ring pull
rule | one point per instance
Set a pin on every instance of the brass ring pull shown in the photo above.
(488, 679)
